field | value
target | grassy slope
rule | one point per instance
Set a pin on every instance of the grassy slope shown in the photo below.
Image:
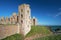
(14, 37)
(38, 30)
(54, 37)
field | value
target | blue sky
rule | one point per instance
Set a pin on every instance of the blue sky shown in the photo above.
(48, 12)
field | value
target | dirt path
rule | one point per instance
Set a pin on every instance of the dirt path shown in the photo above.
(36, 36)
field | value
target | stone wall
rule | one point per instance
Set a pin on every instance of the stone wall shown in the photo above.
(7, 30)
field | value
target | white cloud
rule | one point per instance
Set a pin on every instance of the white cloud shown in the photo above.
(55, 15)
(59, 9)
(58, 14)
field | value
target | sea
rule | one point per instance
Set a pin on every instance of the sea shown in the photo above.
(55, 29)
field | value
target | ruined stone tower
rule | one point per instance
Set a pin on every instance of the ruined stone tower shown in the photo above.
(34, 21)
(24, 18)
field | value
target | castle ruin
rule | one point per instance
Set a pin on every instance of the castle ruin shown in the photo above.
(19, 23)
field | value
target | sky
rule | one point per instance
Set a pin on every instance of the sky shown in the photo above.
(48, 12)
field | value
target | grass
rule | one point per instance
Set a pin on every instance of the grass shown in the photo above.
(14, 37)
(38, 30)
(53, 37)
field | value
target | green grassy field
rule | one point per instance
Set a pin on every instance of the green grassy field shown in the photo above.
(38, 30)
(53, 37)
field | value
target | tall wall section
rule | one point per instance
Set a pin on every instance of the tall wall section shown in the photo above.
(7, 30)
